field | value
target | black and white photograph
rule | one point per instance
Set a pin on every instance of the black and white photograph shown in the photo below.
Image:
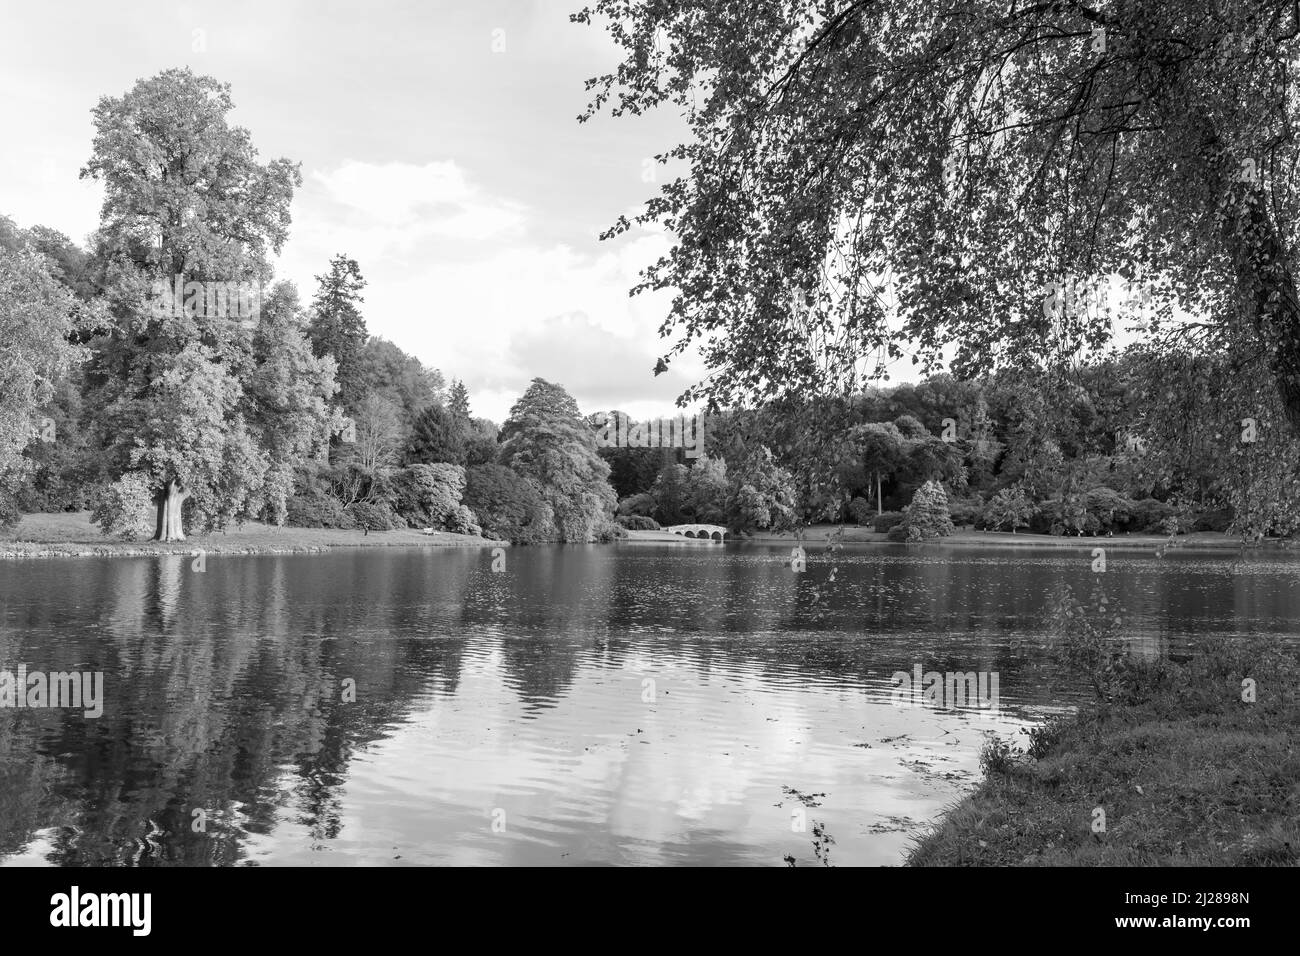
(485, 434)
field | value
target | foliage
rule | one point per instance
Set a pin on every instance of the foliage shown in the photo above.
(429, 496)
(125, 508)
(437, 436)
(928, 516)
(861, 511)
(637, 523)
(337, 328)
(1010, 508)
(508, 506)
(886, 521)
(546, 439)
(761, 495)
(372, 516)
(37, 315)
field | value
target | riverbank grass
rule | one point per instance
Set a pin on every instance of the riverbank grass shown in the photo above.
(1186, 772)
(73, 533)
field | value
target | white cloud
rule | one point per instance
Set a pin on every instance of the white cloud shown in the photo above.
(403, 203)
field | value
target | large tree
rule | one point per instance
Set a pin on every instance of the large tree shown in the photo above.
(37, 316)
(338, 328)
(185, 200)
(546, 439)
(864, 173)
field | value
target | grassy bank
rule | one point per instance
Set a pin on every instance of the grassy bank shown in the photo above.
(1186, 773)
(72, 534)
(821, 533)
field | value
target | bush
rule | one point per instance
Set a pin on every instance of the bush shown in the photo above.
(428, 496)
(1010, 508)
(509, 507)
(639, 504)
(861, 511)
(886, 521)
(371, 517)
(1218, 520)
(1069, 516)
(1149, 515)
(125, 509)
(317, 511)
(898, 532)
(965, 511)
(463, 521)
(1112, 511)
(637, 523)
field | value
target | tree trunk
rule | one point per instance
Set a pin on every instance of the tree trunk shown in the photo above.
(880, 504)
(169, 503)
(1268, 286)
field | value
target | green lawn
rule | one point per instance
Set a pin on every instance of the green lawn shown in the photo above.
(1190, 775)
(73, 533)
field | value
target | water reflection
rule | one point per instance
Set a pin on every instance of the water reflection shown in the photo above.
(590, 705)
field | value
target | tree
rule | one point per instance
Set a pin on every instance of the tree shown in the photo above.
(184, 199)
(762, 495)
(882, 449)
(378, 440)
(481, 442)
(967, 157)
(546, 439)
(337, 327)
(37, 316)
(458, 403)
(288, 392)
(1009, 508)
(510, 507)
(437, 437)
(384, 370)
(928, 515)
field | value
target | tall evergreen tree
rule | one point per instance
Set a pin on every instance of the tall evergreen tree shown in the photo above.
(338, 328)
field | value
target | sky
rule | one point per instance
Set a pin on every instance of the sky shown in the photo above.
(439, 146)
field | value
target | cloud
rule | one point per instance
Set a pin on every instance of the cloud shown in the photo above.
(402, 203)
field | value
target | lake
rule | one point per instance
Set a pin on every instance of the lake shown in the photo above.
(685, 703)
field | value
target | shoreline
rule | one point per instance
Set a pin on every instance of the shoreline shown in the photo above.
(1185, 772)
(820, 534)
(70, 535)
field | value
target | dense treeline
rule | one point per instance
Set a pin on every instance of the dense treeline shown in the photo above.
(162, 380)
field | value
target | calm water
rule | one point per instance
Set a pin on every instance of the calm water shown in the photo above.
(619, 704)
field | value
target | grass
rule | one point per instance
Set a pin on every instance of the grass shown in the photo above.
(72, 533)
(1187, 775)
(856, 534)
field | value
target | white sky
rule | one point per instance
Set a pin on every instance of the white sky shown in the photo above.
(458, 177)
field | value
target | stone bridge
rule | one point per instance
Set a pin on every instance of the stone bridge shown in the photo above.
(713, 532)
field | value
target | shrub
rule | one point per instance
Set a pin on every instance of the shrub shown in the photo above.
(638, 504)
(371, 517)
(1112, 511)
(1065, 517)
(317, 511)
(637, 523)
(1218, 520)
(463, 521)
(898, 532)
(965, 511)
(125, 509)
(428, 496)
(884, 522)
(1149, 515)
(927, 516)
(1010, 508)
(509, 507)
(861, 511)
